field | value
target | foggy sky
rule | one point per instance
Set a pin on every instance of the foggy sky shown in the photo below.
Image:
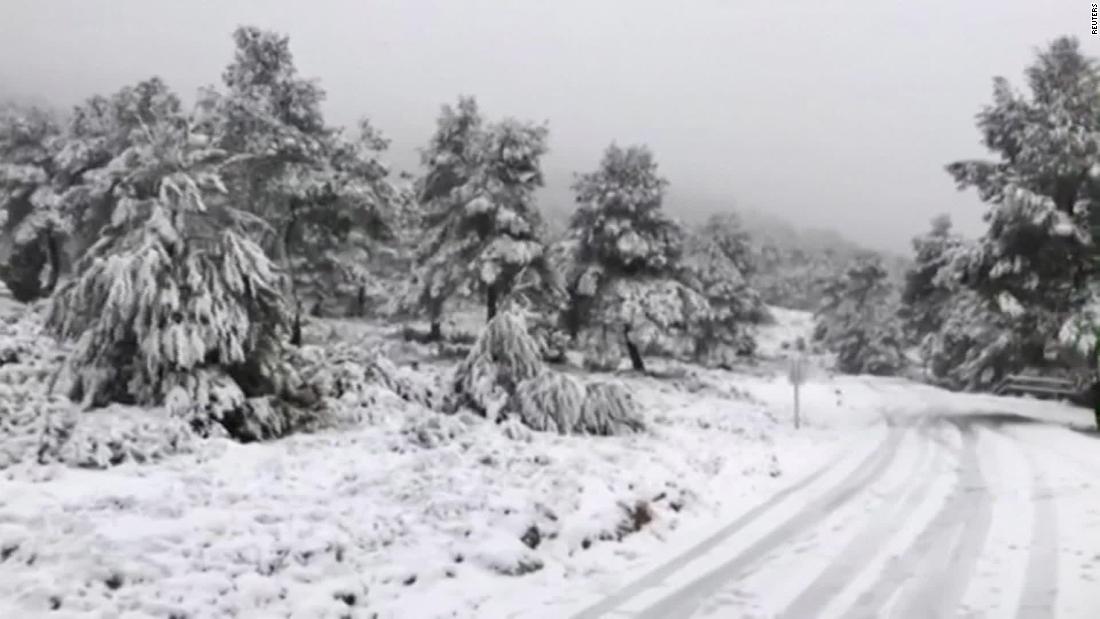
(834, 114)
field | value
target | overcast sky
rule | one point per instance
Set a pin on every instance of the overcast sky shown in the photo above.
(835, 114)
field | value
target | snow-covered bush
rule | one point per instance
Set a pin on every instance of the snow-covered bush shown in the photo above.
(504, 356)
(608, 409)
(504, 376)
(33, 429)
(123, 434)
(361, 379)
(39, 427)
(603, 348)
(430, 430)
(551, 401)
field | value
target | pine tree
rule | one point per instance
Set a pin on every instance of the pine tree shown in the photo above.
(326, 196)
(54, 218)
(30, 231)
(857, 320)
(1042, 192)
(975, 346)
(452, 159)
(717, 263)
(967, 339)
(924, 297)
(483, 232)
(175, 304)
(626, 275)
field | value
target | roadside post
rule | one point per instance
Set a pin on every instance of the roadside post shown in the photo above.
(796, 374)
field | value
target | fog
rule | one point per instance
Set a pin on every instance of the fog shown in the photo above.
(836, 116)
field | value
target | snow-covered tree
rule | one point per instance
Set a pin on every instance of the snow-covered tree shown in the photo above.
(174, 304)
(1043, 188)
(625, 280)
(974, 347)
(30, 233)
(452, 159)
(325, 194)
(346, 214)
(483, 234)
(857, 320)
(54, 219)
(924, 297)
(718, 260)
(968, 339)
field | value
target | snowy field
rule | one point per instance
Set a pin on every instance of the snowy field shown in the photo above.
(416, 514)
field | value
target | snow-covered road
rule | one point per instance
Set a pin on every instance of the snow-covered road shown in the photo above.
(945, 514)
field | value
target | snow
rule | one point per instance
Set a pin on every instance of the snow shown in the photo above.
(778, 339)
(261, 528)
(411, 513)
(415, 514)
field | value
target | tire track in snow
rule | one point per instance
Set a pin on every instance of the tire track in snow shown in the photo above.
(945, 551)
(1040, 593)
(683, 602)
(897, 506)
(655, 577)
(945, 590)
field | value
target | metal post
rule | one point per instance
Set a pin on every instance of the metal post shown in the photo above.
(797, 421)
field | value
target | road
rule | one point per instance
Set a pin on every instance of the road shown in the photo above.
(948, 515)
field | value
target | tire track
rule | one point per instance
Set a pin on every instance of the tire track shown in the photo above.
(860, 550)
(658, 575)
(686, 600)
(1040, 594)
(946, 549)
(944, 591)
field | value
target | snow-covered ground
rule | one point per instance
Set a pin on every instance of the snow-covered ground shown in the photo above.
(415, 514)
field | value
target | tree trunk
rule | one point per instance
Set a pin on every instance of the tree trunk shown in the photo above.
(53, 253)
(361, 301)
(1094, 393)
(635, 356)
(296, 331)
(288, 269)
(490, 302)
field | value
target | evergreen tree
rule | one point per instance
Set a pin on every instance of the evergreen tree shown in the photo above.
(29, 232)
(326, 196)
(483, 232)
(968, 340)
(1042, 190)
(451, 159)
(627, 269)
(718, 261)
(56, 213)
(925, 298)
(857, 320)
(974, 347)
(174, 304)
